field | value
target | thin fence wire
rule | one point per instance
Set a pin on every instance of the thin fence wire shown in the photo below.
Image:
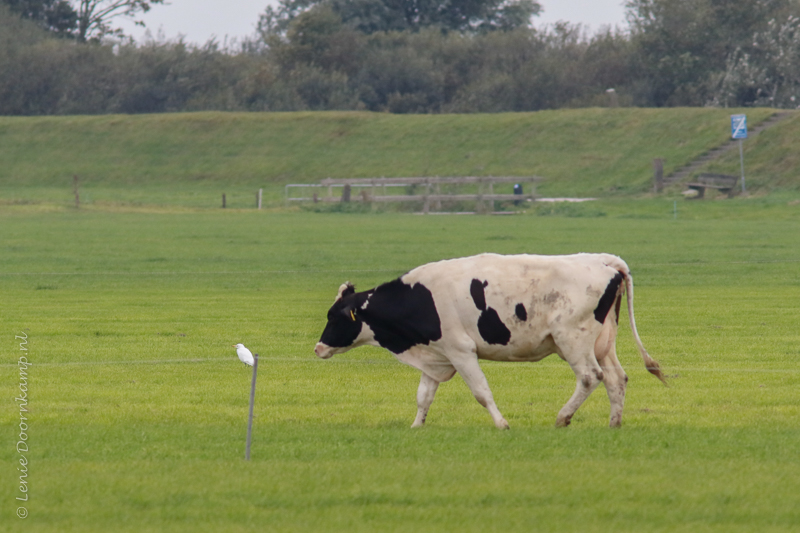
(267, 360)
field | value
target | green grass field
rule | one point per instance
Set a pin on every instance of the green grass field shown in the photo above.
(138, 404)
(190, 159)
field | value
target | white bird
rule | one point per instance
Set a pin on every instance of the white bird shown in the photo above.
(244, 354)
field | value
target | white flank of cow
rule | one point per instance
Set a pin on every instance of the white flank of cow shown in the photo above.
(441, 318)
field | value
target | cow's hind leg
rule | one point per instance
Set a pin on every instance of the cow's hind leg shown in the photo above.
(614, 377)
(588, 374)
(425, 394)
(616, 381)
(472, 374)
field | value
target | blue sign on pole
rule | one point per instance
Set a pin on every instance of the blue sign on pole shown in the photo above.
(739, 131)
(739, 126)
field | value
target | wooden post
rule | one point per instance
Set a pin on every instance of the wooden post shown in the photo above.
(75, 190)
(613, 98)
(658, 175)
(741, 160)
(426, 205)
(252, 402)
(330, 188)
(346, 193)
(491, 193)
(258, 198)
(479, 203)
(223, 200)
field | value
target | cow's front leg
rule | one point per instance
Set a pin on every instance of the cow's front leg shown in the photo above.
(425, 393)
(472, 374)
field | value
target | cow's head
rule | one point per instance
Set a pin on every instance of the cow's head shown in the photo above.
(345, 328)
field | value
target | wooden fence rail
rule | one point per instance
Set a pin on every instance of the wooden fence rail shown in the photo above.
(430, 194)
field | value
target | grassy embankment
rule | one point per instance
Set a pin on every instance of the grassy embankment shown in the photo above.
(138, 403)
(191, 159)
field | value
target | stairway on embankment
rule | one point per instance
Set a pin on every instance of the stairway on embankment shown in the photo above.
(686, 171)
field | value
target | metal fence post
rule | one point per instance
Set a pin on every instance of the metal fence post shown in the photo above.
(250, 416)
(75, 190)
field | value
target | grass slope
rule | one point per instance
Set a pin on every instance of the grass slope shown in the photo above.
(138, 403)
(189, 159)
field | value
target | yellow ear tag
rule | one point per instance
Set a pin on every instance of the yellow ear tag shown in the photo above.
(352, 315)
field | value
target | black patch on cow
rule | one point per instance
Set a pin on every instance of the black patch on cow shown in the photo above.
(478, 294)
(521, 313)
(402, 316)
(608, 298)
(492, 328)
(344, 321)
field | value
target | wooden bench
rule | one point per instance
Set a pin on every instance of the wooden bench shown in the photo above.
(724, 183)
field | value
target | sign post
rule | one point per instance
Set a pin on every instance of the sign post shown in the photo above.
(250, 417)
(739, 131)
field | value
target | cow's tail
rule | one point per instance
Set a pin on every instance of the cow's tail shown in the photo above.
(649, 363)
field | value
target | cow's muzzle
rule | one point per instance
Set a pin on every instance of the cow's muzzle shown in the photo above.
(323, 351)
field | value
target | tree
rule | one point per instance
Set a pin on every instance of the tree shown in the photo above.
(769, 74)
(370, 16)
(318, 37)
(275, 21)
(682, 45)
(95, 16)
(56, 16)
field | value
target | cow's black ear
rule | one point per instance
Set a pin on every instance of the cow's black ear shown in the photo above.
(345, 289)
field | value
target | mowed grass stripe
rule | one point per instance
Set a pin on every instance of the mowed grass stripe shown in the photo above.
(347, 271)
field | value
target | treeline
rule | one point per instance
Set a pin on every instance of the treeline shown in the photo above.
(319, 56)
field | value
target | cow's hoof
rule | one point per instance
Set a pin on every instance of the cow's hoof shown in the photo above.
(502, 425)
(563, 422)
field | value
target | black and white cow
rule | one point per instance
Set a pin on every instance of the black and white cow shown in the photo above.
(442, 317)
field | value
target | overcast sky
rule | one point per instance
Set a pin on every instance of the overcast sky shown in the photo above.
(199, 20)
